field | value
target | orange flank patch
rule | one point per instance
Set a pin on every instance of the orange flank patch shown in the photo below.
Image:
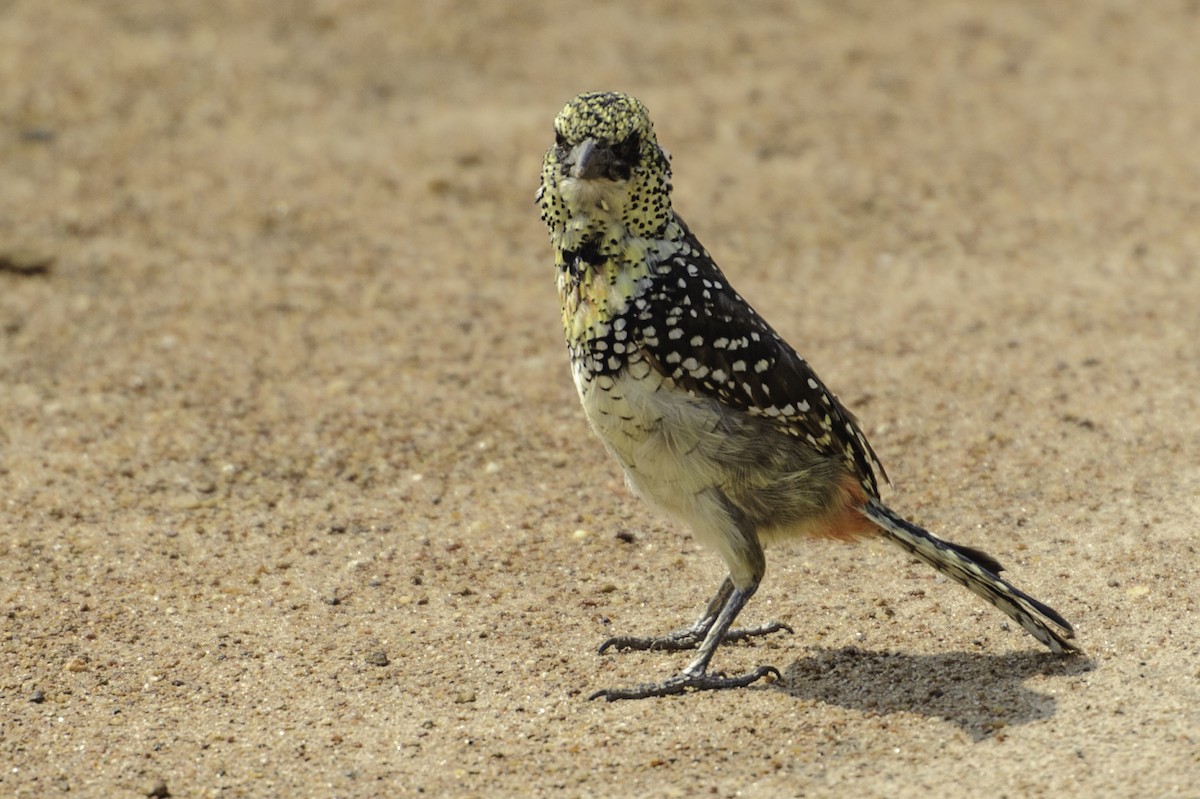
(845, 520)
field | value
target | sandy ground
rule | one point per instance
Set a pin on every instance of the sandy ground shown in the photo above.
(295, 495)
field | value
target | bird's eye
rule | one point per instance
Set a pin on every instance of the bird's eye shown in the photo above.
(559, 139)
(628, 150)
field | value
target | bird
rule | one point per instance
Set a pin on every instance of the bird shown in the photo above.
(715, 419)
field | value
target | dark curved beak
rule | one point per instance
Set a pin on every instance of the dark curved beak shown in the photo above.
(590, 160)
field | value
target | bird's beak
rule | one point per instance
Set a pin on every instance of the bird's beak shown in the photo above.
(590, 160)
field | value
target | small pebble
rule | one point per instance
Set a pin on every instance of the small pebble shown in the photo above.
(157, 789)
(378, 658)
(38, 135)
(25, 262)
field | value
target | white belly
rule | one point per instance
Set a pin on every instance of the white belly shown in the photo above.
(666, 443)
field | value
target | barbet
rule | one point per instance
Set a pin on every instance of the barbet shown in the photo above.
(714, 418)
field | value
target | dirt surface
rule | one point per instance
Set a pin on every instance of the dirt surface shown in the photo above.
(296, 498)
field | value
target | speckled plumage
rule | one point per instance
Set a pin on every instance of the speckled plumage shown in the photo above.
(713, 416)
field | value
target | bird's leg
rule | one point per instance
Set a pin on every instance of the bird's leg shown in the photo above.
(691, 637)
(696, 677)
(687, 638)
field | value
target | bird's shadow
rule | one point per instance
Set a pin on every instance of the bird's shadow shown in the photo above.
(980, 693)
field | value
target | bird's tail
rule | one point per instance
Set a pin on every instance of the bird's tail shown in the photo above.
(978, 572)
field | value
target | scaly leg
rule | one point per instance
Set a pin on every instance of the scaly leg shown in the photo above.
(696, 677)
(691, 637)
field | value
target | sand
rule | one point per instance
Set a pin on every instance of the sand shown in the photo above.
(296, 498)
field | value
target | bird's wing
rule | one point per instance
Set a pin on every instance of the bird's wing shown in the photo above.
(710, 342)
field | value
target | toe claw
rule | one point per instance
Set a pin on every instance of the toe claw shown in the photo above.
(685, 639)
(685, 683)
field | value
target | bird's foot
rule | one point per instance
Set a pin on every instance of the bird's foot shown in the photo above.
(686, 639)
(753, 632)
(685, 683)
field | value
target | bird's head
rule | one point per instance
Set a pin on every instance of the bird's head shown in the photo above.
(605, 178)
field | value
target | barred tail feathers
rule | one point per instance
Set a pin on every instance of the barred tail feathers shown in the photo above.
(978, 572)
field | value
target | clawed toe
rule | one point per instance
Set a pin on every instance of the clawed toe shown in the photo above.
(672, 642)
(754, 632)
(686, 639)
(685, 683)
